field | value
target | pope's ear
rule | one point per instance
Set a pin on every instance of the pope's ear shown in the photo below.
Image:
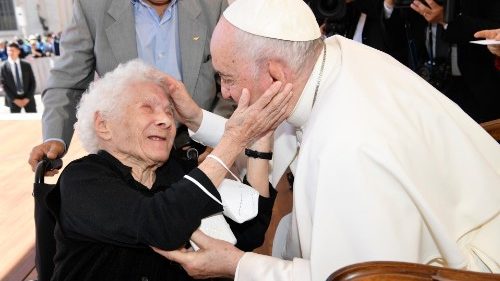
(101, 126)
(277, 71)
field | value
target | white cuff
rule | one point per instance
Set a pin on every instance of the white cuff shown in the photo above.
(255, 267)
(211, 129)
(59, 140)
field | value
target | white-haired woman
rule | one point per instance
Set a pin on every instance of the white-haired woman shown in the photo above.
(128, 195)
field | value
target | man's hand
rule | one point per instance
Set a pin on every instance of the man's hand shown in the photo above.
(25, 101)
(432, 12)
(52, 149)
(19, 102)
(215, 258)
(490, 34)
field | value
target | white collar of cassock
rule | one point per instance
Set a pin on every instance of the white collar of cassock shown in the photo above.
(285, 140)
(303, 108)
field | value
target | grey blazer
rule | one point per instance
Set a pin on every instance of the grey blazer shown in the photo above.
(102, 35)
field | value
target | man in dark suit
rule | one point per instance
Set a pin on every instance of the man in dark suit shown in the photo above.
(474, 87)
(363, 21)
(18, 81)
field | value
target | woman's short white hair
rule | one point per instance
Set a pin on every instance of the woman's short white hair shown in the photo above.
(294, 53)
(107, 96)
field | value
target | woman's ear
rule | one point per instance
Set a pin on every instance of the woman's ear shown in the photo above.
(101, 126)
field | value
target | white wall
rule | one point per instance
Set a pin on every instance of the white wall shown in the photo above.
(56, 12)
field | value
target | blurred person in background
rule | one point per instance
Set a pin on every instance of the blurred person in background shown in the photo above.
(360, 20)
(36, 51)
(24, 45)
(475, 80)
(3, 50)
(49, 45)
(18, 81)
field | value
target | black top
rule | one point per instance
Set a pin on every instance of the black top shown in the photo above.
(107, 220)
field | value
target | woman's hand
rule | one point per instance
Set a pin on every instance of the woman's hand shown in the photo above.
(250, 122)
(186, 110)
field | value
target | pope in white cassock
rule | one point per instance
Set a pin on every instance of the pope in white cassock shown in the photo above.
(388, 168)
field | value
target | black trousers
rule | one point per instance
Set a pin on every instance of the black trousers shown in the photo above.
(30, 107)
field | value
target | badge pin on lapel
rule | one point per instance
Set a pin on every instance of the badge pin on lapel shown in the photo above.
(196, 38)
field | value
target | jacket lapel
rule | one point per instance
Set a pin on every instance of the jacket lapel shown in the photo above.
(121, 33)
(192, 39)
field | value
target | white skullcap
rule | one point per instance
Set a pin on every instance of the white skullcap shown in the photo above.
(290, 20)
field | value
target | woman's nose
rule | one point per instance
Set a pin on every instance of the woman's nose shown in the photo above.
(164, 120)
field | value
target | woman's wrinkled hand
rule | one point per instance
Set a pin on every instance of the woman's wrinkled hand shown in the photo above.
(250, 122)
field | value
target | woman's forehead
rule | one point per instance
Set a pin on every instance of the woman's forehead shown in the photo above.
(149, 92)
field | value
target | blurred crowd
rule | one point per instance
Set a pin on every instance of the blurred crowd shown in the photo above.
(35, 46)
(431, 37)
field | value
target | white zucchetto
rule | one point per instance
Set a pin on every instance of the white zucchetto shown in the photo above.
(290, 20)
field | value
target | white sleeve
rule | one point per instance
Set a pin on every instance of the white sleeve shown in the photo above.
(211, 129)
(255, 267)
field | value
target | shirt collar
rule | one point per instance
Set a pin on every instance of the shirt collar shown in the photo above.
(148, 6)
(13, 61)
(303, 108)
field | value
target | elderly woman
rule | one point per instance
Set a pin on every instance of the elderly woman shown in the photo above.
(128, 195)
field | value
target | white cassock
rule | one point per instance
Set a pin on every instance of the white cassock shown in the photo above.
(388, 169)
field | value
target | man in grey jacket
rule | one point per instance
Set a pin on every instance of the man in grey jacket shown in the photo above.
(172, 35)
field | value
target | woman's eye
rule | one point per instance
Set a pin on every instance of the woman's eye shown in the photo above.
(146, 108)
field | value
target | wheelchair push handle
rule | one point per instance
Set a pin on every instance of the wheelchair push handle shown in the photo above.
(46, 165)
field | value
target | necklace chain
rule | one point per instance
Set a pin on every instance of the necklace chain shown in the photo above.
(320, 74)
(298, 131)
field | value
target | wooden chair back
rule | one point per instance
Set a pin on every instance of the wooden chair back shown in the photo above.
(402, 271)
(493, 128)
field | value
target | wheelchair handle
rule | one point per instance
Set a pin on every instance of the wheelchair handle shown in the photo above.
(44, 166)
